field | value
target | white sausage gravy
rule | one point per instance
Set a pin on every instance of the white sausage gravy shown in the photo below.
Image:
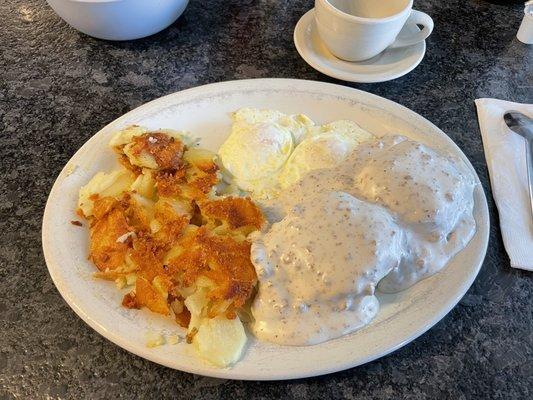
(393, 213)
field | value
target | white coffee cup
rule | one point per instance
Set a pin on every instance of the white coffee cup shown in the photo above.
(357, 30)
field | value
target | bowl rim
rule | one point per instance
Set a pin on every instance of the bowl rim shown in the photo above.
(105, 1)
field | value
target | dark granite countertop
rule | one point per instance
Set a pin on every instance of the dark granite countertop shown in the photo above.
(58, 87)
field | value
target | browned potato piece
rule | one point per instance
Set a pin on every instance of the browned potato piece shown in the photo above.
(222, 259)
(147, 296)
(236, 212)
(110, 224)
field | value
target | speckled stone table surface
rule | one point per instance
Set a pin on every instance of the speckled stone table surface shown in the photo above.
(58, 87)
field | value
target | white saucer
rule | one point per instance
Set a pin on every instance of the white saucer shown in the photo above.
(390, 64)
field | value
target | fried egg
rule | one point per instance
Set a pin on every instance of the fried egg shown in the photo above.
(258, 147)
(325, 147)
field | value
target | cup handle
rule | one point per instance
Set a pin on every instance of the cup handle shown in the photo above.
(419, 18)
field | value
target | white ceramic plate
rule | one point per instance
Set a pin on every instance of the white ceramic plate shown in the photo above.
(389, 64)
(204, 111)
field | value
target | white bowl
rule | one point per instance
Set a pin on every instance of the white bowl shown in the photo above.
(119, 19)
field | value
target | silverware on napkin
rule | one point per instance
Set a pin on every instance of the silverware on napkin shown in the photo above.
(523, 126)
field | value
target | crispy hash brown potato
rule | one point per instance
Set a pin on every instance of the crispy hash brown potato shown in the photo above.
(159, 228)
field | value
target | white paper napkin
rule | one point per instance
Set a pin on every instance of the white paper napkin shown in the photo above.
(506, 158)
